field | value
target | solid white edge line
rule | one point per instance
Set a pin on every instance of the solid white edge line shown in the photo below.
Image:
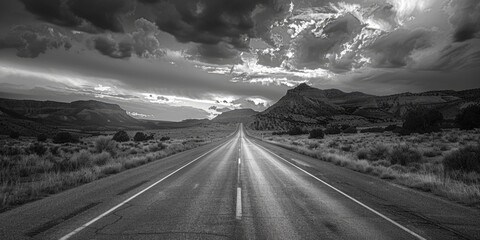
(239, 161)
(238, 212)
(349, 197)
(136, 195)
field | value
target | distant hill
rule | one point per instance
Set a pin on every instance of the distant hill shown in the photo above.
(245, 116)
(31, 117)
(308, 106)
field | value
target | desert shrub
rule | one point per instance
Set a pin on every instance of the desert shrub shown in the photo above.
(296, 131)
(279, 133)
(333, 130)
(150, 137)
(423, 121)
(101, 158)
(362, 154)
(313, 145)
(378, 152)
(165, 138)
(350, 130)
(64, 137)
(139, 137)
(466, 159)
(344, 126)
(469, 118)
(121, 136)
(37, 148)
(162, 146)
(175, 148)
(10, 151)
(404, 155)
(80, 159)
(104, 143)
(333, 144)
(373, 130)
(316, 134)
(14, 135)
(42, 137)
(346, 148)
(54, 150)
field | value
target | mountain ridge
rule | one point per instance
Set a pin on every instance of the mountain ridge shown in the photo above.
(308, 106)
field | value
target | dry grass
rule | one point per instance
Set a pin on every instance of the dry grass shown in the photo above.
(31, 170)
(415, 161)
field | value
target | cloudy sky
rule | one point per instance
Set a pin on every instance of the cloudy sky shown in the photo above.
(179, 59)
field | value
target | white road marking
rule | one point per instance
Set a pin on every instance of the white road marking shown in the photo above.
(238, 212)
(239, 161)
(349, 197)
(134, 196)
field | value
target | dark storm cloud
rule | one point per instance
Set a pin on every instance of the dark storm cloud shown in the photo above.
(31, 41)
(210, 22)
(394, 50)
(104, 14)
(54, 11)
(465, 19)
(112, 48)
(220, 53)
(145, 40)
(311, 51)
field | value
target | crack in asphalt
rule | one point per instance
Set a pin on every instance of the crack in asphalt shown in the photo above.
(119, 218)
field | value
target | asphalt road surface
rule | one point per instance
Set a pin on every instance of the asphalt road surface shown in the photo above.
(240, 188)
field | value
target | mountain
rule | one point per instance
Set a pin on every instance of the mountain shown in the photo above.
(245, 116)
(308, 106)
(31, 117)
(79, 112)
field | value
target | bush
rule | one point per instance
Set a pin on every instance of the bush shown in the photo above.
(350, 130)
(378, 152)
(373, 130)
(296, 131)
(104, 143)
(333, 130)
(42, 137)
(469, 118)
(162, 146)
(362, 154)
(139, 136)
(279, 133)
(80, 159)
(37, 148)
(14, 135)
(316, 134)
(423, 121)
(121, 136)
(150, 137)
(165, 138)
(65, 137)
(466, 159)
(102, 158)
(404, 155)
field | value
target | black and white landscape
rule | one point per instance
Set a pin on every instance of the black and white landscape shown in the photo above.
(239, 119)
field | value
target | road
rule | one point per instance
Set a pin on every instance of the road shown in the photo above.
(240, 188)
